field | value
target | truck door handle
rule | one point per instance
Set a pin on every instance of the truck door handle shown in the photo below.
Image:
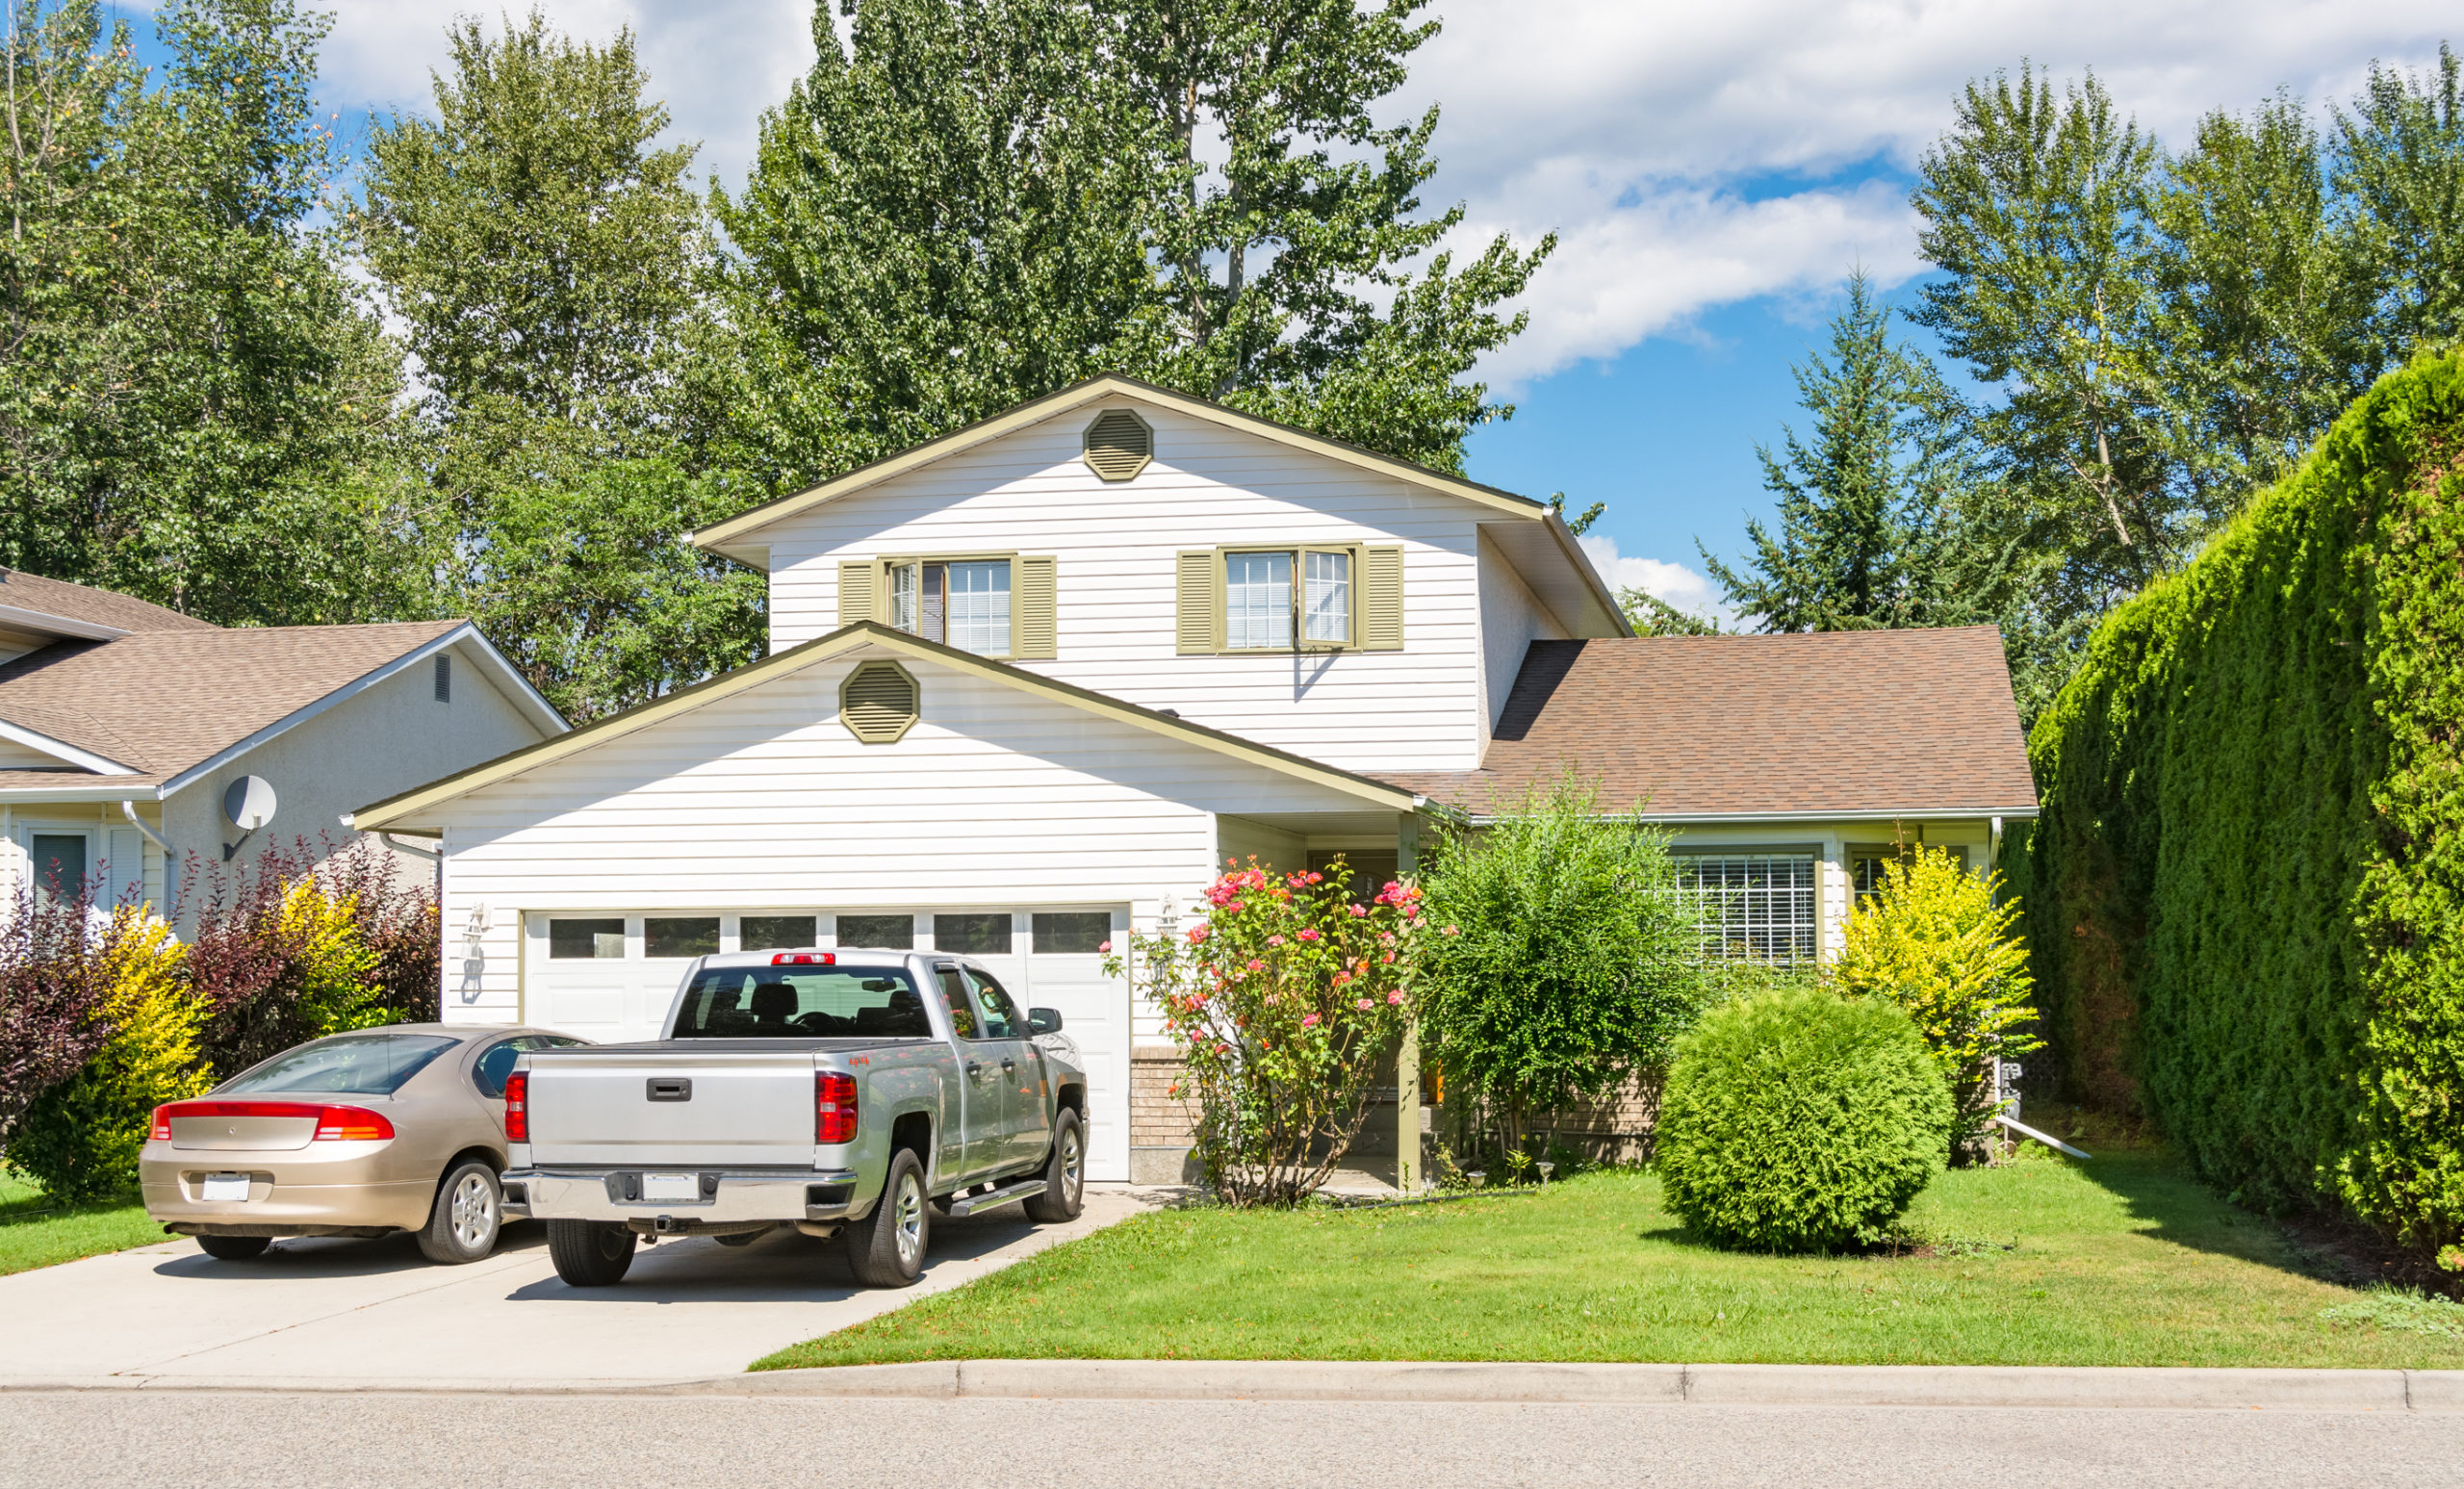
(1008, 1067)
(975, 1070)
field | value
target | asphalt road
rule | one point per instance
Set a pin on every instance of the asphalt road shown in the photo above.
(138, 1439)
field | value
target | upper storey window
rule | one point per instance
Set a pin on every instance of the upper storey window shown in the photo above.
(996, 605)
(1310, 599)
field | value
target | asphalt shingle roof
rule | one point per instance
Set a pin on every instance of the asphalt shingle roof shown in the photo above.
(1919, 722)
(161, 701)
(97, 607)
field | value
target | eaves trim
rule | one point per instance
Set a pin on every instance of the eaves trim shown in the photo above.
(394, 809)
(64, 751)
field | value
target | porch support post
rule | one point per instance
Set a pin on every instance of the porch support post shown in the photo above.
(1407, 1057)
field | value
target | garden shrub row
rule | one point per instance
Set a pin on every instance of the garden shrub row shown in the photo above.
(2245, 897)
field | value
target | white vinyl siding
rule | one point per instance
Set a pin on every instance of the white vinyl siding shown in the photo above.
(1421, 707)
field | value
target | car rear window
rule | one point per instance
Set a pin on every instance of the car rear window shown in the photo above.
(768, 1002)
(370, 1065)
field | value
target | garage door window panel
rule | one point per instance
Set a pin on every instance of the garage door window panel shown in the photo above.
(973, 935)
(677, 936)
(775, 932)
(888, 932)
(586, 940)
(1072, 932)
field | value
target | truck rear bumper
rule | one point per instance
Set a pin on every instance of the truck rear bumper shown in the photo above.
(723, 1197)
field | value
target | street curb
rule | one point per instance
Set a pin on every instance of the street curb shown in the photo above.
(2064, 1386)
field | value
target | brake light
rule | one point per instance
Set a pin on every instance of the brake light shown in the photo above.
(805, 958)
(833, 1107)
(517, 1107)
(334, 1123)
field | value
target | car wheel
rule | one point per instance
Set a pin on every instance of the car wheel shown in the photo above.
(469, 1212)
(234, 1249)
(887, 1248)
(1065, 1175)
(591, 1253)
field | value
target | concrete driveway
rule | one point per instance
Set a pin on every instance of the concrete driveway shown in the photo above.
(338, 1313)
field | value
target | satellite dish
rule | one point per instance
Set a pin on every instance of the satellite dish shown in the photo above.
(249, 802)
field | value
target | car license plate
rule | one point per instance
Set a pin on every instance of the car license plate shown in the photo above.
(671, 1187)
(226, 1185)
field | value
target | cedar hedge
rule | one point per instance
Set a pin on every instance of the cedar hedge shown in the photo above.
(2244, 896)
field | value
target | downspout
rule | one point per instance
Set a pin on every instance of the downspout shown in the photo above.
(1993, 853)
(170, 861)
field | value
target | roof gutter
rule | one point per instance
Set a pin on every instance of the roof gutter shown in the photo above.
(57, 625)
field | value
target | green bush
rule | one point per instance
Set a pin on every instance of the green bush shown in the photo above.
(1566, 958)
(1800, 1122)
(2245, 899)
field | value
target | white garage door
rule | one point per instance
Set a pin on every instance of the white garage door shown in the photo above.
(607, 975)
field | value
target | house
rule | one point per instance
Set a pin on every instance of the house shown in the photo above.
(125, 724)
(1032, 683)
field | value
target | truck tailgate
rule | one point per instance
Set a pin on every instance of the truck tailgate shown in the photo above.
(620, 1108)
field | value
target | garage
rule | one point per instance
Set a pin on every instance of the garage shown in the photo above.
(609, 975)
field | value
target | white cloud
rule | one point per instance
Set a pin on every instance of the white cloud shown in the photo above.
(1679, 586)
(1689, 155)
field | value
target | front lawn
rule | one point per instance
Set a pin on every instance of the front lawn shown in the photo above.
(35, 1232)
(2119, 1261)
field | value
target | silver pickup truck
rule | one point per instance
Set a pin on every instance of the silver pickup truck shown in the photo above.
(839, 1091)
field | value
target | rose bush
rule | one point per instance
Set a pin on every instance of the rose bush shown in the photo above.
(1283, 1001)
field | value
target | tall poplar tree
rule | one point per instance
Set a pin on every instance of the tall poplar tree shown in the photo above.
(973, 202)
(549, 258)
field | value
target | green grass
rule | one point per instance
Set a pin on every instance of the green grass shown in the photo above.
(2122, 1260)
(35, 1232)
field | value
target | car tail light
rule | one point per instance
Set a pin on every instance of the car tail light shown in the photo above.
(517, 1107)
(834, 1108)
(334, 1123)
(805, 958)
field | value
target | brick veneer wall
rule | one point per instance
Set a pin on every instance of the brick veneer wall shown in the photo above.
(1157, 1119)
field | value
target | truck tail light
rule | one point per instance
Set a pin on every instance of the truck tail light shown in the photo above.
(334, 1124)
(833, 1107)
(805, 958)
(517, 1107)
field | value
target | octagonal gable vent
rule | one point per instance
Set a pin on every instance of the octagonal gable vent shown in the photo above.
(1118, 444)
(878, 702)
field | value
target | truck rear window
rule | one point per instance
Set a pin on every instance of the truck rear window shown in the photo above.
(768, 1002)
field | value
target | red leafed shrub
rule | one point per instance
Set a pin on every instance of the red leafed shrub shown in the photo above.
(54, 980)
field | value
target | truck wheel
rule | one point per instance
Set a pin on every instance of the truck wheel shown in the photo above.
(1065, 1175)
(887, 1248)
(590, 1253)
(468, 1212)
(234, 1249)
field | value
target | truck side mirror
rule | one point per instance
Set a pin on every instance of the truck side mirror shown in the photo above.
(1044, 1020)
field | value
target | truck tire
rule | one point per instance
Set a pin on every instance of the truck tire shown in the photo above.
(591, 1253)
(886, 1249)
(468, 1216)
(1065, 1175)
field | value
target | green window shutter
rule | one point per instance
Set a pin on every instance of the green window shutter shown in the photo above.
(859, 591)
(1381, 599)
(1200, 614)
(1033, 635)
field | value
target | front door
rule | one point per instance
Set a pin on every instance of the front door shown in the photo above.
(1026, 1131)
(984, 1117)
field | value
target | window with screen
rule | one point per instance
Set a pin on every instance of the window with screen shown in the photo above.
(778, 1003)
(774, 932)
(1278, 597)
(1758, 905)
(973, 935)
(1868, 865)
(676, 936)
(893, 932)
(1072, 932)
(961, 603)
(603, 940)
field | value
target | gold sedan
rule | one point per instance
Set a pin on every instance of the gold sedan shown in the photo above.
(360, 1134)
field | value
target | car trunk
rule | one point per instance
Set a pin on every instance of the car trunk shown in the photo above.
(618, 1106)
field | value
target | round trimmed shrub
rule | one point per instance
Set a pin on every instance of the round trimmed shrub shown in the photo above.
(1796, 1120)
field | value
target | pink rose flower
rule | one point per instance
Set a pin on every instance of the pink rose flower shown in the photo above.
(1453, 930)
(1388, 937)
(1197, 933)
(1395, 997)
(1274, 940)
(1104, 946)
(1309, 1022)
(1390, 955)
(1255, 966)
(1309, 935)
(1359, 910)
(1365, 1004)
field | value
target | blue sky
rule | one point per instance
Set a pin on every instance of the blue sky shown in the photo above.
(1713, 173)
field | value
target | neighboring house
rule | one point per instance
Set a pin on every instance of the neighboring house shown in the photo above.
(1033, 682)
(122, 725)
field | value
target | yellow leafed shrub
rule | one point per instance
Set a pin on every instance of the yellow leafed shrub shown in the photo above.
(1932, 940)
(80, 1139)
